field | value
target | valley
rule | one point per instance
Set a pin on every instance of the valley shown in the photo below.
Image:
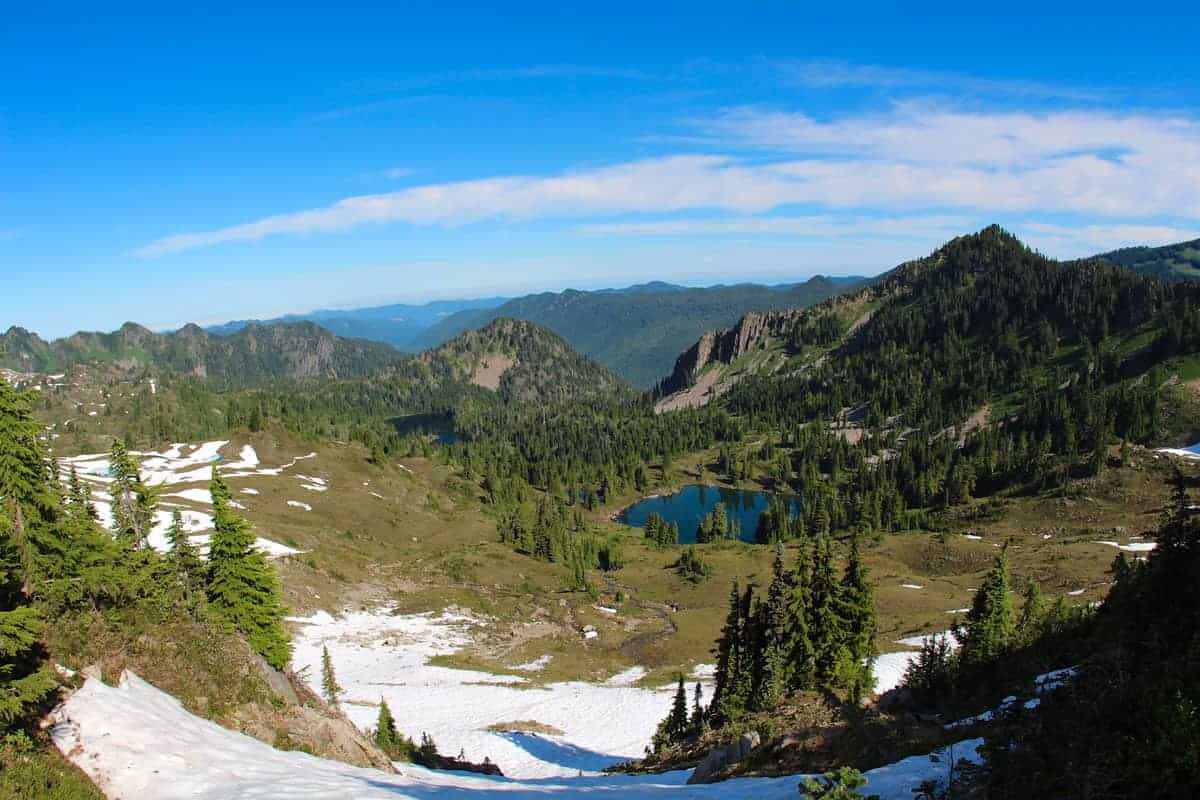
(522, 555)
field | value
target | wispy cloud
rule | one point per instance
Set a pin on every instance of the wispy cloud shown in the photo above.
(389, 104)
(835, 74)
(1068, 241)
(504, 74)
(1129, 168)
(921, 227)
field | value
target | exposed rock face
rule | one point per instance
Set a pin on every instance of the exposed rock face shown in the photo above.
(725, 347)
(721, 758)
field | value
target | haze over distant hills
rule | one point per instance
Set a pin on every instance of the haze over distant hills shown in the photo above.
(1172, 262)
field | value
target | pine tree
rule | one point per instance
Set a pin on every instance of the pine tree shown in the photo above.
(394, 744)
(801, 661)
(133, 502)
(856, 607)
(242, 586)
(824, 625)
(330, 689)
(185, 558)
(989, 627)
(677, 722)
(26, 506)
(725, 704)
(697, 721)
(1033, 615)
(773, 623)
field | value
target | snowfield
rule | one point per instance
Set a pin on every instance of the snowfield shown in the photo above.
(137, 742)
(179, 465)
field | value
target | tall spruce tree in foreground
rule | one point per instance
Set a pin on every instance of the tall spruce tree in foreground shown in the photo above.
(242, 586)
(801, 662)
(726, 705)
(25, 504)
(394, 744)
(329, 685)
(824, 624)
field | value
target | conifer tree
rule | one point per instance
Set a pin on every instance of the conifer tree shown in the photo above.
(185, 558)
(133, 502)
(330, 689)
(856, 607)
(394, 744)
(1033, 614)
(773, 639)
(989, 627)
(801, 661)
(824, 625)
(697, 720)
(242, 586)
(26, 504)
(726, 677)
(677, 722)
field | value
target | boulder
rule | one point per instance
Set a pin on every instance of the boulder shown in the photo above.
(720, 758)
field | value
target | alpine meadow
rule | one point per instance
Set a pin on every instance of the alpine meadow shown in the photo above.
(626, 402)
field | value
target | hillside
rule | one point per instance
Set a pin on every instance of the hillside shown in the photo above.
(398, 324)
(523, 361)
(639, 331)
(254, 354)
(1173, 262)
(970, 323)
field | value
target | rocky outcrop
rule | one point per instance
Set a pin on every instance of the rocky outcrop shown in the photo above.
(724, 347)
(721, 758)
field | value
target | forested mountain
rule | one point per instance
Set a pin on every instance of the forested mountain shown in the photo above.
(398, 325)
(524, 361)
(978, 320)
(1173, 262)
(638, 332)
(254, 354)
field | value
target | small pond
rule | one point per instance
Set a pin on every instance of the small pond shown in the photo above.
(440, 426)
(692, 503)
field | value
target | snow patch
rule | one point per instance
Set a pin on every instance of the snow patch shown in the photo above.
(1132, 547)
(298, 504)
(136, 741)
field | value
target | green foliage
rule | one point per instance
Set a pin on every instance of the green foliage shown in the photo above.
(692, 567)
(840, 785)
(639, 334)
(32, 772)
(330, 689)
(133, 503)
(661, 533)
(989, 628)
(395, 745)
(242, 586)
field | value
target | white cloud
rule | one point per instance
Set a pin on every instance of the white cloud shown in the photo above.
(834, 74)
(815, 226)
(1065, 241)
(1126, 168)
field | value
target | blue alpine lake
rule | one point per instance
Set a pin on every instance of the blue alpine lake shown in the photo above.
(692, 503)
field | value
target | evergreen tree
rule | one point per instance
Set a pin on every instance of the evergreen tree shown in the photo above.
(697, 720)
(801, 660)
(133, 502)
(771, 677)
(242, 586)
(185, 558)
(989, 627)
(1033, 614)
(677, 721)
(725, 703)
(394, 744)
(856, 607)
(824, 624)
(26, 504)
(330, 689)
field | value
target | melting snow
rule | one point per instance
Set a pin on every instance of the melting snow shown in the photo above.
(298, 504)
(135, 741)
(1132, 547)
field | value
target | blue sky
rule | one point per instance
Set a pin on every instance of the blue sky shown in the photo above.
(211, 165)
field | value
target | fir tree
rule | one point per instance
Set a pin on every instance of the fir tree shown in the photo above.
(26, 506)
(395, 745)
(801, 661)
(989, 627)
(725, 703)
(1033, 614)
(242, 586)
(133, 502)
(824, 624)
(773, 639)
(697, 721)
(330, 689)
(185, 557)
(856, 607)
(677, 721)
